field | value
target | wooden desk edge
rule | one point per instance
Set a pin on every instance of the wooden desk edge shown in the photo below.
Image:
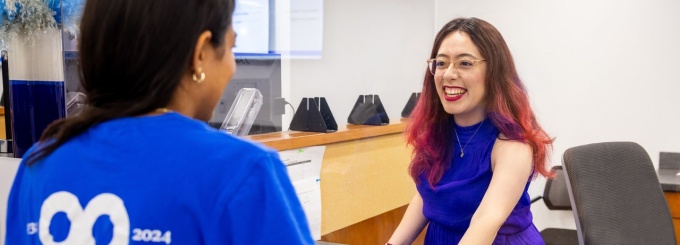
(289, 140)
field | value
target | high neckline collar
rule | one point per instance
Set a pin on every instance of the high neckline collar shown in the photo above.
(484, 129)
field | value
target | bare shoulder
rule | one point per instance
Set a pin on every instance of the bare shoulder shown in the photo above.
(511, 152)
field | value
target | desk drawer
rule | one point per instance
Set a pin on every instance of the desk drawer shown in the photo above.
(673, 199)
(676, 227)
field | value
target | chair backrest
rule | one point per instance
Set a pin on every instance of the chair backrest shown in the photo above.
(616, 195)
(555, 194)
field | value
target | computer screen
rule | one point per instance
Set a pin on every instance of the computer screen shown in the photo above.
(269, 28)
(264, 75)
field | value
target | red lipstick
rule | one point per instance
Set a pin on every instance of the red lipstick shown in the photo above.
(452, 98)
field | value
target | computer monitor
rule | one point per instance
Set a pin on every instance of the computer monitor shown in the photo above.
(264, 75)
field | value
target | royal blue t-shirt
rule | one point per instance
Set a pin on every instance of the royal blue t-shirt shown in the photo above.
(164, 179)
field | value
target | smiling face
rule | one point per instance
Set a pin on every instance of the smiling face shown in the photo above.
(461, 89)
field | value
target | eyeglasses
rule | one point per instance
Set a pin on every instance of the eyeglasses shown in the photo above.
(462, 66)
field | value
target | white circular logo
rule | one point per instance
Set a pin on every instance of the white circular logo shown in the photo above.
(82, 220)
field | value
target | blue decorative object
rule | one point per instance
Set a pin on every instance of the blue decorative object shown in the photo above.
(26, 16)
(38, 14)
(55, 6)
(12, 8)
(72, 9)
(3, 13)
(71, 12)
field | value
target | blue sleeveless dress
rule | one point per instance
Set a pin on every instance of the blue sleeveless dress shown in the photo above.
(449, 206)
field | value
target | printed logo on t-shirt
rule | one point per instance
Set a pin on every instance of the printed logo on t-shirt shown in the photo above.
(83, 220)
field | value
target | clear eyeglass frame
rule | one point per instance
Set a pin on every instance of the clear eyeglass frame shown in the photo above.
(460, 66)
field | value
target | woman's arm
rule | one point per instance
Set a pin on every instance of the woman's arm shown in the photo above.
(511, 163)
(411, 224)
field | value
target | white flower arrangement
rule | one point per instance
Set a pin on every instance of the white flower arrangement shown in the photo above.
(31, 17)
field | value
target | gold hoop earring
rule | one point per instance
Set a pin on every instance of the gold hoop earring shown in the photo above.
(196, 79)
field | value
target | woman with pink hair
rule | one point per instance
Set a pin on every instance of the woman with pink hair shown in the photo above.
(476, 143)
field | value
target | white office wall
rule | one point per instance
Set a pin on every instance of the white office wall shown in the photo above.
(369, 47)
(595, 70)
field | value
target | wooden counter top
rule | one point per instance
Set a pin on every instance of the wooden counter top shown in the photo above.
(296, 139)
(360, 162)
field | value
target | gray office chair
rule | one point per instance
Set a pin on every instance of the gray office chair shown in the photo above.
(556, 197)
(615, 195)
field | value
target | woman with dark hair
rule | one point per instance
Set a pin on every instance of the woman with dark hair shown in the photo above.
(139, 164)
(477, 144)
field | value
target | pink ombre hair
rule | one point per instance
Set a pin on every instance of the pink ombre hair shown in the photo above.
(430, 128)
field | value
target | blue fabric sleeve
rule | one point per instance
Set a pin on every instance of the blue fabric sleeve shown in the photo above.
(16, 221)
(265, 209)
